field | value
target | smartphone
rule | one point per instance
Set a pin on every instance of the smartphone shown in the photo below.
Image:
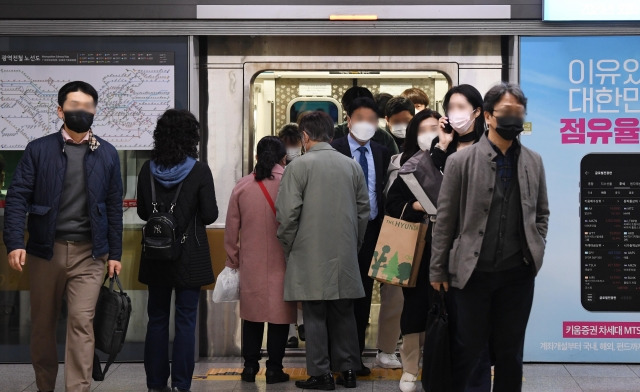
(448, 128)
(610, 232)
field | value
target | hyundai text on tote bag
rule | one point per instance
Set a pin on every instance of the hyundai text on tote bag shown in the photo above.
(396, 259)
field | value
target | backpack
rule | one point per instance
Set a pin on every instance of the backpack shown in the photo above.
(161, 240)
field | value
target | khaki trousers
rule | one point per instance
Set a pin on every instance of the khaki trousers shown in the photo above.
(411, 352)
(72, 272)
(391, 302)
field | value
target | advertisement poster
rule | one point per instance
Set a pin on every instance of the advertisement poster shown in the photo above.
(584, 108)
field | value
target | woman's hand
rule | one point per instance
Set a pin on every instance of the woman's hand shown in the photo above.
(444, 137)
(417, 206)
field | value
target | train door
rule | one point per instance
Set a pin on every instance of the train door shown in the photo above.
(279, 96)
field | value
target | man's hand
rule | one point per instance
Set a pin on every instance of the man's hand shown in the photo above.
(436, 285)
(114, 266)
(17, 258)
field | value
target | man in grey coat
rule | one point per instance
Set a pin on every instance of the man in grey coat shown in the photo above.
(489, 241)
(323, 211)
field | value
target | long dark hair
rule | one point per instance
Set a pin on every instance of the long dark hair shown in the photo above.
(270, 151)
(474, 97)
(411, 138)
(175, 138)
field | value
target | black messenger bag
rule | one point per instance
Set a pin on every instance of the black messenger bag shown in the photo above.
(110, 324)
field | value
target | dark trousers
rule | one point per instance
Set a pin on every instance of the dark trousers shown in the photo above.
(330, 329)
(252, 333)
(156, 344)
(362, 306)
(480, 380)
(493, 308)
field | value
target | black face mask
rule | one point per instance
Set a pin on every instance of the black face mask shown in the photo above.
(78, 121)
(509, 127)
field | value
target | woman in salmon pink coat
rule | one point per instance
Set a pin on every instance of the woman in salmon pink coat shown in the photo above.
(253, 248)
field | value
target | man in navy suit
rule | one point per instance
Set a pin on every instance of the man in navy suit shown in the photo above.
(362, 120)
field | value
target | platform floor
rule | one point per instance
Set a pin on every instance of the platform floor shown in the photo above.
(221, 374)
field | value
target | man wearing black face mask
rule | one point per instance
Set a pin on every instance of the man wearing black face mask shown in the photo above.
(69, 184)
(489, 242)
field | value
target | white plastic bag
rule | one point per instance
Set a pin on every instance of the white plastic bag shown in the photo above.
(227, 288)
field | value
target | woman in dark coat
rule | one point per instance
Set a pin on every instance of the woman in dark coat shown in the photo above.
(464, 125)
(173, 162)
(401, 202)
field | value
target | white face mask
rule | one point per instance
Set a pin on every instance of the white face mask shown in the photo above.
(425, 139)
(399, 130)
(460, 121)
(363, 131)
(293, 152)
(382, 123)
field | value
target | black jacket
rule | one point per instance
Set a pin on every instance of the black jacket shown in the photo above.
(439, 156)
(37, 187)
(381, 159)
(196, 207)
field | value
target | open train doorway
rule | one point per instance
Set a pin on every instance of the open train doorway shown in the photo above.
(280, 97)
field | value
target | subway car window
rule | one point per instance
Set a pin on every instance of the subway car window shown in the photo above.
(299, 106)
(280, 97)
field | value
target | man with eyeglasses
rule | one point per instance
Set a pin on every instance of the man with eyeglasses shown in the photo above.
(489, 242)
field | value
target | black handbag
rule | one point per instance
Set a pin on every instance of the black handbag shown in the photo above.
(436, 361)
(110, 324)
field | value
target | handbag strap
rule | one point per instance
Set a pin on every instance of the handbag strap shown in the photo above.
(267, 196)
(421, 196)
(154, 202)
(403, 208)
(442, 302)
(99, 373)
(112, 280)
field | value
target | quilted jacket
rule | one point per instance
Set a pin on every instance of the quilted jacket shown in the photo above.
(35, 194)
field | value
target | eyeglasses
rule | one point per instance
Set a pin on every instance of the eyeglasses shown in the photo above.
(514, 113)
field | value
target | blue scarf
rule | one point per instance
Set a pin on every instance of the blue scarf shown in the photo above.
(171, 176)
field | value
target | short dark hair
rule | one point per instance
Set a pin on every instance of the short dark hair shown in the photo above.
(474, 98)
(362, 102)
(411, 138)
(318, 125)
(77, 85)
(495, 94)
(416, 96)
(290, 133)
(270, 151)
(175, 138)
(381, 100)
(354, 92)
(399, 104)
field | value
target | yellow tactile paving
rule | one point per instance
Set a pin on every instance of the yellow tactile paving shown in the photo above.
(230, 374)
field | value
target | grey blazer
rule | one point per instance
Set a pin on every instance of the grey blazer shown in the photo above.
(463, 209)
